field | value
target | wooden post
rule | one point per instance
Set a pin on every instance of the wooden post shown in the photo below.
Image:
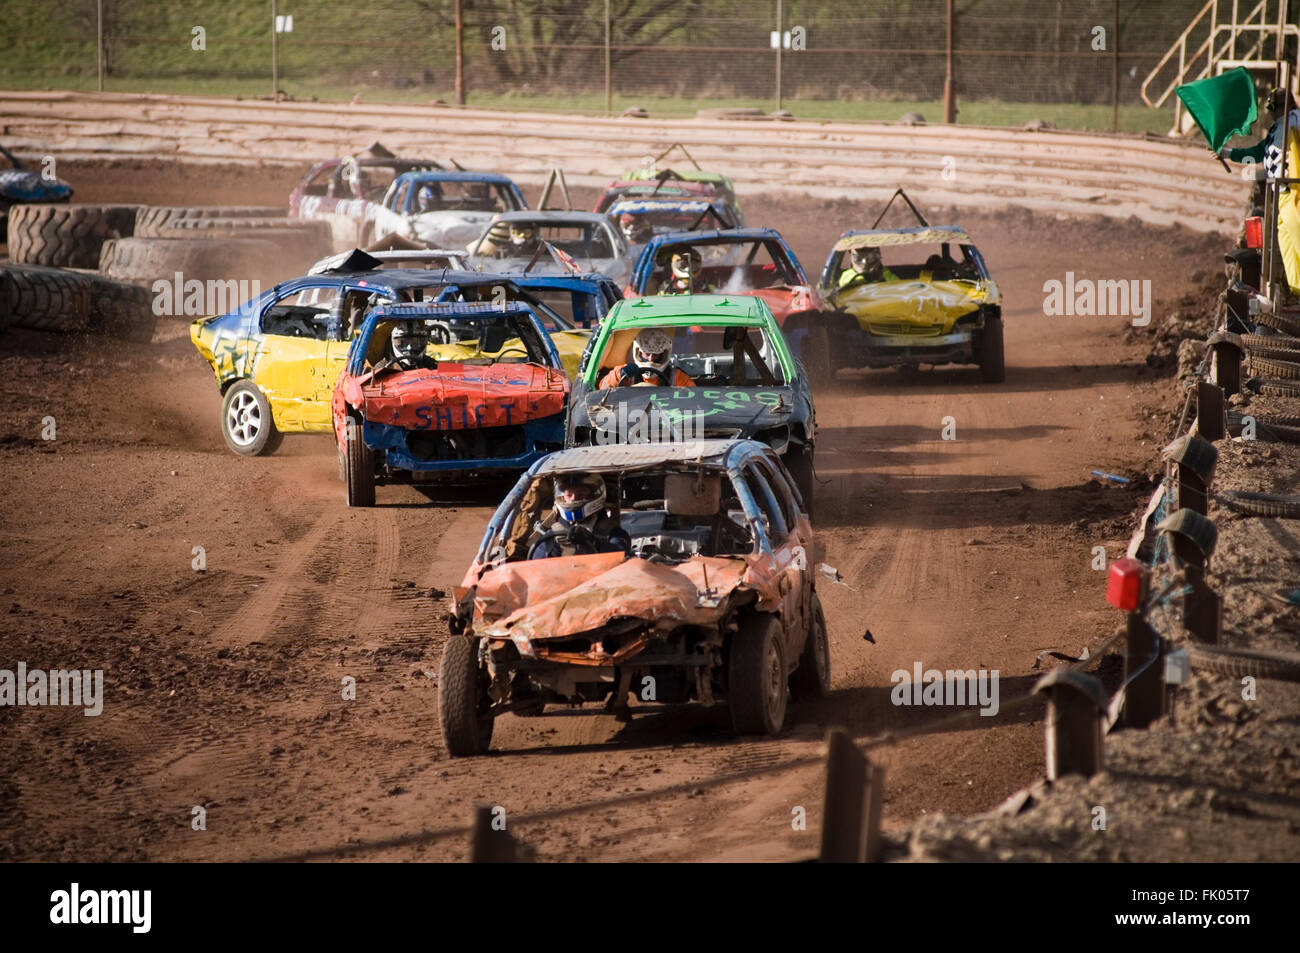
(1114, 71)
(875, 808)
(949, 78)
(460, 52)
(608, 96)
(1144, 700)
(845, 828)
(486, 845)
(1211, 420)
(1202, 606)
(99, 40)
(275, 55)
(1195, 459)
(1075, 702)
(1226, 352)
(780, 37)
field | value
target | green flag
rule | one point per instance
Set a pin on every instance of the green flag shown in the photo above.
(1223, 106)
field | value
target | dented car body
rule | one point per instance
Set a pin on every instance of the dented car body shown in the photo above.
(492, 399)
(714, 599)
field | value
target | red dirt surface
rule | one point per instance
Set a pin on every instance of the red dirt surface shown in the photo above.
(224, 687)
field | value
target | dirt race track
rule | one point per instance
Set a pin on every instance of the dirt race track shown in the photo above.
(223, 688)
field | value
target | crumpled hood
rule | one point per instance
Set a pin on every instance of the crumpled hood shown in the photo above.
(922, 303)
(563, 596)
(449, 227)
(464, 396)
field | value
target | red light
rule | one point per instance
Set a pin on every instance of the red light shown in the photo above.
(1254, 232)
(1125, 584)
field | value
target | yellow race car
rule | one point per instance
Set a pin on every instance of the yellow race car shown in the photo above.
(931, 302)
(277, 357)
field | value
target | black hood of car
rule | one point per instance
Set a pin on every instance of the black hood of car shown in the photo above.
(718, 411)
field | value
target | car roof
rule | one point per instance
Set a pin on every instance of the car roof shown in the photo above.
(554, 215)
(710, 453)
(916, 235)
(659, 204)
(449, 175)
(529, 279)
(448, 310)
(710, 309)
(714, 235)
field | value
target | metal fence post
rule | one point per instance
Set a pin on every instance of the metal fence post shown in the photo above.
(1227, 352)
(849, 808)
(1075, 702)
(1211, 422)
(486, 845)
(1144, 699)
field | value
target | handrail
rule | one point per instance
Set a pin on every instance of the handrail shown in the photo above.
(1255, 22)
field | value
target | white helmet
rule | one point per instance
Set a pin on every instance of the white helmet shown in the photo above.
(685, 262)
(652, 350)
(579, 495)
(409, 340)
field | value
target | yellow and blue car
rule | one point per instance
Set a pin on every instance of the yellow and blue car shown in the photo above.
(277, 357)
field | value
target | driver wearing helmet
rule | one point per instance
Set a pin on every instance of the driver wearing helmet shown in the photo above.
(581, 523)
(866, 268)
(408, 346)
(426, 199)
(523, 240)
(635, 228)
(684, 277)
(495, 243)
(652, 363)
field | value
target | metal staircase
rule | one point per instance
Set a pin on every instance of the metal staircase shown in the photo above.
(1226, 34)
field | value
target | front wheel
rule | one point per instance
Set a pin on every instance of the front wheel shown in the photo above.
(246, 422)
(463, 702)
(756, 678)
(991, 360)
(360, 467)
(812, 679)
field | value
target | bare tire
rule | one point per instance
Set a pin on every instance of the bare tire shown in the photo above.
(152, 221)
(1273, 387)
(246, 422)
(757, 681)
(992, 358)
(69, 236)
(46, 299)
(360, 461)
(1252, 341)
(463, 702)
(1238, 663)
(1280, 370)
(1278, 322)
(799, 462)
(143, 261)
(121, 309)
(1260, 504)
(812, 679)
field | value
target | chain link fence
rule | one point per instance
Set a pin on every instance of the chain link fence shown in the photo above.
(843, 60)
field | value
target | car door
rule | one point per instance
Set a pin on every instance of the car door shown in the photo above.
(293, 365)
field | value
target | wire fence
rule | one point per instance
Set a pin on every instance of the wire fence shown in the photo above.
(574, 55)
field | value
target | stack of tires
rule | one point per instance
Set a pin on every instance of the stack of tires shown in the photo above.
(50, 285)
(41, 290)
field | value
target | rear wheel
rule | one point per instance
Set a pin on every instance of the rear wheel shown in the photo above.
(812, 679)
(463, 702)
(246, 421)
(991, 359)
(360, 468)
(756, 679)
